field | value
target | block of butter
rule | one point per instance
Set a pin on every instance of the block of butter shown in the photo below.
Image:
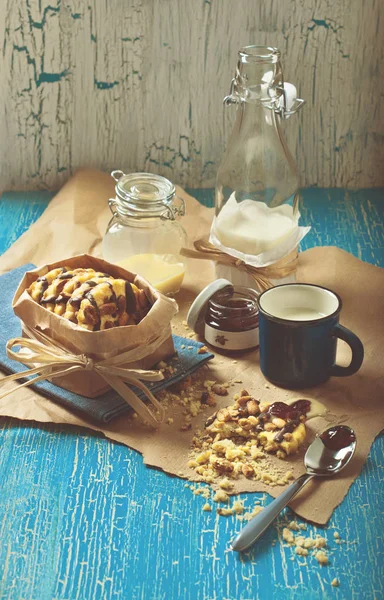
(164, 271)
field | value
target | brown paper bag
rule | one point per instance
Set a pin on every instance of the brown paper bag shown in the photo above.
(99, 345)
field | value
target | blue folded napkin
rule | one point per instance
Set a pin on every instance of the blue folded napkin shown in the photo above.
(108, 406)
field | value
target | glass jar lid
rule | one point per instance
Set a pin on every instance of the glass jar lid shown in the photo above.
(145, 193)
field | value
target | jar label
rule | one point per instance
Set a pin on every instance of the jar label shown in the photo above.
(232, 340)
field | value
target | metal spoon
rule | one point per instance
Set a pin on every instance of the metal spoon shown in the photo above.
(327, 455)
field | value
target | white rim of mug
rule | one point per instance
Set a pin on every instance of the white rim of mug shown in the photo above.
(303, 322)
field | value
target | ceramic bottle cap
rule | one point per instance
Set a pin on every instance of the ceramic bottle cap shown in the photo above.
(196, 313)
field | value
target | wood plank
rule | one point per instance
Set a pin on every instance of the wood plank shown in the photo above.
(139, 86)
(82, 518)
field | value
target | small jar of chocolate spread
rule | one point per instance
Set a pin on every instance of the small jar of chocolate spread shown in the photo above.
(227, 316)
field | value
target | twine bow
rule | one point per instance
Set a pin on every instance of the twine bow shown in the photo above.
(49, 359)
(204, 250)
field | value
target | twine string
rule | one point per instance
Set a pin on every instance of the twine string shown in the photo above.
(49, 359)
(262, 276)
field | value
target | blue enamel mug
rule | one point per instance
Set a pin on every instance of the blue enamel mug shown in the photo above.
(299, 328)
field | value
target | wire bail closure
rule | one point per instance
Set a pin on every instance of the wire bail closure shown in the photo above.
(126, 205)
(278, 105)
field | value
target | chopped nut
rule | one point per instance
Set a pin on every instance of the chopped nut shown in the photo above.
(335, 582)
(253, 407)
(269, 427)
(220, 390)
(248, 470)
(223, 415)
(90, 315)
(186, 427)
(336, 535)
(287, 437)
(107, 309)
(243, 400)
(207, 507)
(245, 424)
(202, 350)
(244, 393)
(280, 423)
(301, 551)
(223, 466)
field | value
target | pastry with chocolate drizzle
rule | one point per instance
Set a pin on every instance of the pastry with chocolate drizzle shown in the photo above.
(91, 299)
(279, 427)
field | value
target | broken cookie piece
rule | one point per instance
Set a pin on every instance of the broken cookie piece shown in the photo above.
(279, 428)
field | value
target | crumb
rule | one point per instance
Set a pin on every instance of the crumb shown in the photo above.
(185, 323)
(207, 507)
(220, 496)
(226, 484)
(321, 558)
(335, 582)
(203, 350)
(288, 536)
(182, 346)
(301, 551)
(190, 347)
(238, 507)
(237, 381)
(234, 362)
(293, 526)
(201, 491)
(303, 526)
(180, 473)
(169, 421)
(186, 427)
(225, 512)
(336, 535)
(249, 515)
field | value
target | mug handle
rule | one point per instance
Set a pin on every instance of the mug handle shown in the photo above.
(357, 352)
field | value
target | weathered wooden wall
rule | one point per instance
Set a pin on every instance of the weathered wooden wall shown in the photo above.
(138, 85)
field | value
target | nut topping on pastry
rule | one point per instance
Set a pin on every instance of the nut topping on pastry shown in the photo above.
(279, 427)
(93, 300)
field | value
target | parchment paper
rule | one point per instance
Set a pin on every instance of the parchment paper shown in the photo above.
(74, 223)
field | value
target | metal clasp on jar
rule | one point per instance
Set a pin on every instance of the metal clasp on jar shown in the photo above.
(171, 212)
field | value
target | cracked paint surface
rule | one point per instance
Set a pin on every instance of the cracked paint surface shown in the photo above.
(141, 87)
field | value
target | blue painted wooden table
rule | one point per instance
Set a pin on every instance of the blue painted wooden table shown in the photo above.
(83, 518)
